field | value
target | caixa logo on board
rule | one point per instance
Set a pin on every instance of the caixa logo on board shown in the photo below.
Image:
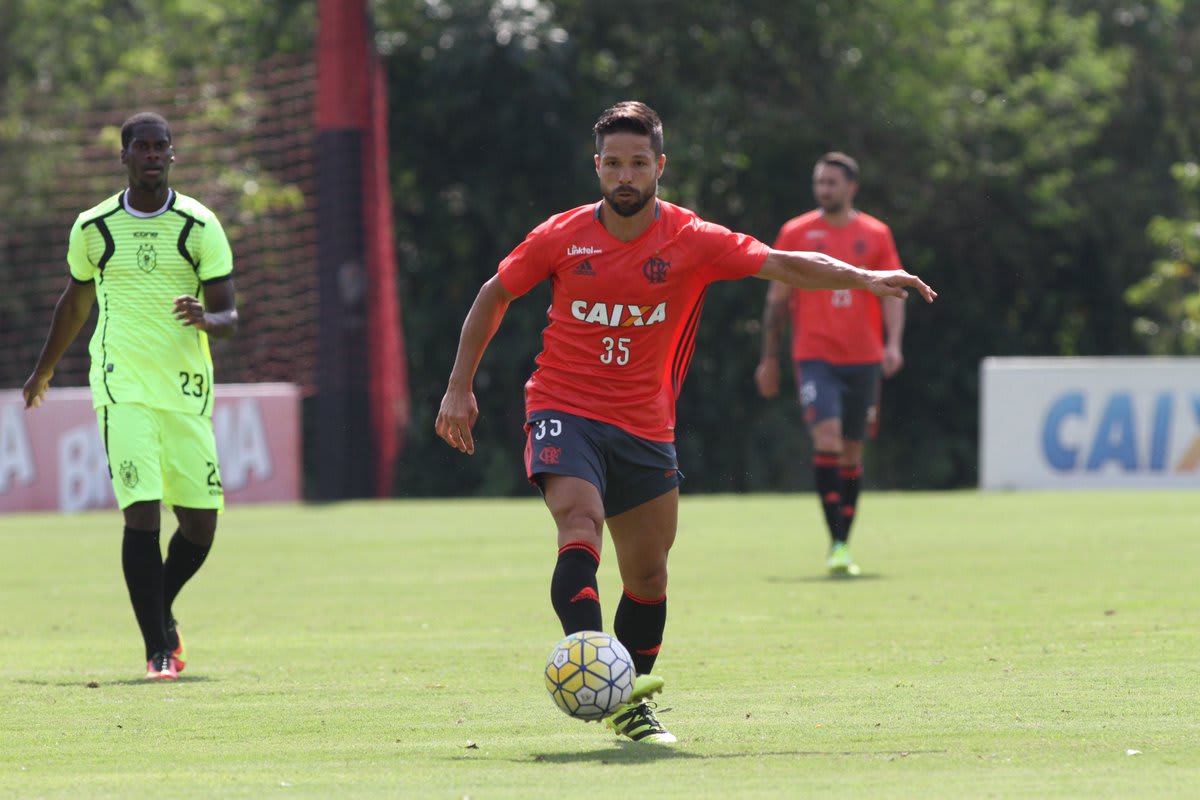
(1090, 432)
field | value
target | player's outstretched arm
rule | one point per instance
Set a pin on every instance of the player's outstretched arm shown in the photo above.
(70, 313)
(809, 270)
(458, 411)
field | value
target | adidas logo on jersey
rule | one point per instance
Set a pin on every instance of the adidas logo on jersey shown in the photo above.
(584, 269)
(618, 315)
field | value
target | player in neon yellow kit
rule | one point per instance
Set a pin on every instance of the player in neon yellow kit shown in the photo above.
(159, 266)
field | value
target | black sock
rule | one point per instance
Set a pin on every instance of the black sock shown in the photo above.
(639, 626)
(183, 559)
(141, 560)
(829, 490)
(851, 479)
(573, 589)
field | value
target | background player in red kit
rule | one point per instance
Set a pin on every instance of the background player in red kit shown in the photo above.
(839, 345)
(628, 277)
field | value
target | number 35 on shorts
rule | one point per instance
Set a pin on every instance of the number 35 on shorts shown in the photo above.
(553, 427)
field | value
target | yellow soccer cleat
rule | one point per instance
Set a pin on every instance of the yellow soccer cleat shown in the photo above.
(839, 563)
(636, 718)
(637, 721)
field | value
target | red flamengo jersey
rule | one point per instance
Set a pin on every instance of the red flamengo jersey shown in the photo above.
(623, 315)
(841, 326)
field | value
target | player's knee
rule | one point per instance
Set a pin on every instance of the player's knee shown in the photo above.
(197, 526)
(202, 537)
(580, 525)
(647, 579)
(827, 442)
(142, 516)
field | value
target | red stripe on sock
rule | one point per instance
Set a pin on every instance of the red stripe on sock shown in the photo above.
(586, 593)
(644, 601)
(826, 459)
(653, 651)
(851, 472)
(847, 511)
(580, 545)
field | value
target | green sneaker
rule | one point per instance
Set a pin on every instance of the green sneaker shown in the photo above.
(645, 687)
(839, 563)
(636, 720)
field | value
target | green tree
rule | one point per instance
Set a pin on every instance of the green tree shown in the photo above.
(1170, 294)
(973, 121)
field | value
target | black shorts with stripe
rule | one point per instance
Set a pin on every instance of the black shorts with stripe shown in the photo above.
(849, 392)
(626, 469)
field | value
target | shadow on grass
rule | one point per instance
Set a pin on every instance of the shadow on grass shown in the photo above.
(634, 753)
(845, 579)
(619, 753)
(75, 684)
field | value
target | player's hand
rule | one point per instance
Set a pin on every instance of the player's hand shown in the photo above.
(190, 312)
(766, 377)
(894, 282)
(893, 361)
(36, 387)
(455, 419)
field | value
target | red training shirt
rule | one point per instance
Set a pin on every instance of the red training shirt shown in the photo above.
(841, 326)
(623, 315)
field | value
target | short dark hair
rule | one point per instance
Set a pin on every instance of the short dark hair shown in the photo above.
(141, 118)
(630, 116)
(848, 164)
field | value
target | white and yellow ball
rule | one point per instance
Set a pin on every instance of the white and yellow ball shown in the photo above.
(589, 674)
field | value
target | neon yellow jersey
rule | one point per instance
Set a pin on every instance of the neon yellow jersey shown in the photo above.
(140, 352)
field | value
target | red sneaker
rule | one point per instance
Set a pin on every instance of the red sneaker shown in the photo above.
(178, 654)
(161, 667)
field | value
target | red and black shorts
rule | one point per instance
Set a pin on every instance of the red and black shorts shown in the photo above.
(627, 470)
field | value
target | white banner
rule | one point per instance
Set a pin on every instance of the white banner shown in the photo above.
(1085, 423)
(52, 457)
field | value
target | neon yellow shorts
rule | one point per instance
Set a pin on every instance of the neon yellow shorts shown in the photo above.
(160, 455)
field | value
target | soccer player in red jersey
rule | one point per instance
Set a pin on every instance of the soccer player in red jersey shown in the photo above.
(628, 275)
(842, 341)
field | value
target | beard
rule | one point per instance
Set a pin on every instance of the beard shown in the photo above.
(833, 206)
(626, 205)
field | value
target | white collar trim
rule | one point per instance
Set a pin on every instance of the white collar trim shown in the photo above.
(144, 214)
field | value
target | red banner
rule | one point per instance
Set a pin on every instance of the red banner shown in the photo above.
(52, 457)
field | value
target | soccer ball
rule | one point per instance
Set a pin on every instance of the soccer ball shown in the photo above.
(589, 675)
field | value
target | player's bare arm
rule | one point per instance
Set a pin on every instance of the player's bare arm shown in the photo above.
(893, 333)
(458, 411)
(766, 375)
(70, 313)
(217, 315)
(810, 270)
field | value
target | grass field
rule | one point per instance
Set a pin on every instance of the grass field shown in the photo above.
(1010, 645)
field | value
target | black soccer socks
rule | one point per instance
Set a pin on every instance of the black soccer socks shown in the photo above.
(183, 560)
(141, 560)
(573, 589)
(851, 478)
(829, 490)
(639, 625)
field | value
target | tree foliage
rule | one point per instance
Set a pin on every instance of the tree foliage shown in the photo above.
(983, 128)
(1170, 294)
(1021, 150)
